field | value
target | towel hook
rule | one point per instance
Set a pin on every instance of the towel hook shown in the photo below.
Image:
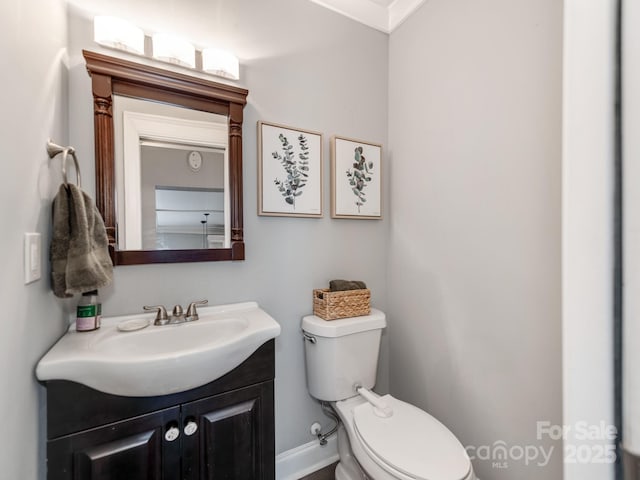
(54, 149)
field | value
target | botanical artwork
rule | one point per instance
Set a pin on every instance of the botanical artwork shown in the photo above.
(290, 171)
(356, 179)
(359, 176)
(297, 169)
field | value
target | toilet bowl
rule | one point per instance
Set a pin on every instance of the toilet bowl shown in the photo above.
(380, 437)
(409, 445)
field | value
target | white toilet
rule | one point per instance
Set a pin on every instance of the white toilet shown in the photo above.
(380, 437)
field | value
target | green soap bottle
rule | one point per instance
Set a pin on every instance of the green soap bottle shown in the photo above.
(89, 312)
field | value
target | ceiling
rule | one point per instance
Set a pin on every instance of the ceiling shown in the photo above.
(169, 15)
(383, 15)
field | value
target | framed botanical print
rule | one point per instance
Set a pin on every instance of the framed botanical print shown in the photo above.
(356, 179)
(289, 171)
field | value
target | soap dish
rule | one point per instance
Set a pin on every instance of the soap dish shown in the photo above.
(133, 325)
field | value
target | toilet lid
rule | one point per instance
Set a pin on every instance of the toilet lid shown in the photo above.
(411, 441)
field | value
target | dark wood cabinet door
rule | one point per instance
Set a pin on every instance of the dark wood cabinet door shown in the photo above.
(133, 449)
(234, 439)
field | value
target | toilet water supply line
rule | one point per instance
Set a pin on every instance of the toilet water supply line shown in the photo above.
(380, 407)
(329, 412)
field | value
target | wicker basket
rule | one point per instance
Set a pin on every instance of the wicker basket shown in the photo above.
(347, 303)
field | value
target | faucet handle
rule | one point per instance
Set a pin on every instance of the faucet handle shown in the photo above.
(161, 315)
(192, 313)
(177, 311)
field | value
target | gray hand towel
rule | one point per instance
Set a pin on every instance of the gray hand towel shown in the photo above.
(341, 285)
(79, 252)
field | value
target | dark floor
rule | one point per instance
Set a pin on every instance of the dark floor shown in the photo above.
(325, 474)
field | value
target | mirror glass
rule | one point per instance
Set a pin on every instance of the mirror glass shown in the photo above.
(171, 177)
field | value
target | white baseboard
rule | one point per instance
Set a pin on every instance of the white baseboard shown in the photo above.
(305, 459)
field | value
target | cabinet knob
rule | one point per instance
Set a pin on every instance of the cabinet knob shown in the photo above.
(190, 428)
(171, 434)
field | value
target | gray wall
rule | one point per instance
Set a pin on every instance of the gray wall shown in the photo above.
(306, 67)
(474, 252)
(34, 108)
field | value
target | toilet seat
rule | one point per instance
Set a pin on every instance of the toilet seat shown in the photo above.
(411, 442)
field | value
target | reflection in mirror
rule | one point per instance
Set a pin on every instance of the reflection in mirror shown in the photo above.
(172, 177)
(179, 216)
(179, 212)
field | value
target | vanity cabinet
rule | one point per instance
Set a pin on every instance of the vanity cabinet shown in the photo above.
(222, 430)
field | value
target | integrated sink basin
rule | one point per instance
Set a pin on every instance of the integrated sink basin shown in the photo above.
(159, 360)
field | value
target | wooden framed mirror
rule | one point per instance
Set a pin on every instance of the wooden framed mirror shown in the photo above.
(204, 222)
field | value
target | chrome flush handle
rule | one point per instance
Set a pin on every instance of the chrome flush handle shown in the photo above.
(309, 338)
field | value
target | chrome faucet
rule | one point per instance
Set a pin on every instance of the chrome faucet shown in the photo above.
(178, 315)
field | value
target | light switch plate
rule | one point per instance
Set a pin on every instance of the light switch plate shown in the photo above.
(32, 257)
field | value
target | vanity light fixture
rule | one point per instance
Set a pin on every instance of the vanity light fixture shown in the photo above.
(221, 63)
(113, 32)
(118, 33)
(172, 49)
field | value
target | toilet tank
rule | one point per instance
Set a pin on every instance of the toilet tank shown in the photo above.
(341, 353)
